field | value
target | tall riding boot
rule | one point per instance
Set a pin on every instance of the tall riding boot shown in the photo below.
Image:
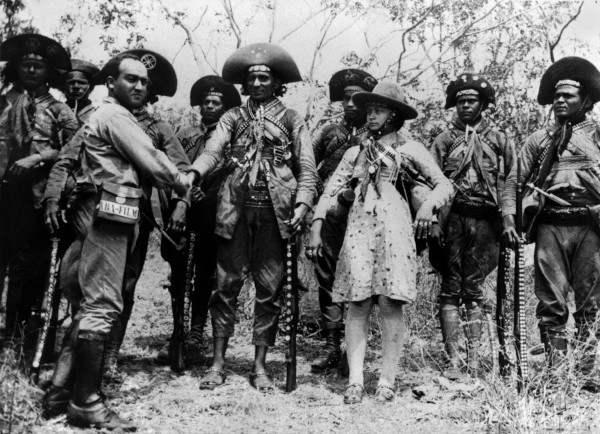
(587, 344)
(87, 409)
(57, 397)
(194, 344)
(450, 322)
(474, 326)
(332, 354)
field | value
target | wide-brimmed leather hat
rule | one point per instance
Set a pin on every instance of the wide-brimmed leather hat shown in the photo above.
(215, 84)
(51, 51)
(388, 93)
(575, 69)
(472, 81)
(276, 58)
(160, 71)
(88, 69)
(350, 78)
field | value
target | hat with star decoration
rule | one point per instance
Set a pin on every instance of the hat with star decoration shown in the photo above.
(469, 84)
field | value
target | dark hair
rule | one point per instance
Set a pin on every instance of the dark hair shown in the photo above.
(9, 75)
(398, 121)
(279, 92)
(112, 67)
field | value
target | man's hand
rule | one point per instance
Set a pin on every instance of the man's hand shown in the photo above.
(509, 232)
(178, 220)
(197, 194)
(315, 246)
(422, 224)
(23, 165)
(437, 235)
(53, 217)
(295, 224)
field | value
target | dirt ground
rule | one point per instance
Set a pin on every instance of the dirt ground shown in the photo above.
(160, 401)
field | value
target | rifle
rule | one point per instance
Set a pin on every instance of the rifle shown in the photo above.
(501, 283)
(48, 310)
(181, 310)
(290, 300)
(520, 332)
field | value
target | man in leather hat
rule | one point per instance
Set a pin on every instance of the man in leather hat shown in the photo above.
(562, 159)
(263, 200)
(214, 97)
(329, 145)
(464, 243)
(118, 157)
(78, 85)
(33, 128)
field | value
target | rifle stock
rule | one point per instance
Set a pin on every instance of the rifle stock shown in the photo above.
(46, 313)
(291, 312)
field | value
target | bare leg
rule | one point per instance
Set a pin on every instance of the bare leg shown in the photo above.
(357, 327)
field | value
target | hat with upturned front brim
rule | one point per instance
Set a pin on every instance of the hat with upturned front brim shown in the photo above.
(351, 77)
(572, 68)
(276, 58)
(160, 71)
(387, 93)
(213, 84)
(19, 46)
(88, 69)
(467, 81)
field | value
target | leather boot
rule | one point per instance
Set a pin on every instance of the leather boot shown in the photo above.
(113, 346)
(586, 346)
(87, 409)
(556, 347)
(474, 327)
(57, 397)
(332, 355)
(450, 322)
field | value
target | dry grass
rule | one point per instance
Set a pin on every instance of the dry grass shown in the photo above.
(160, 401)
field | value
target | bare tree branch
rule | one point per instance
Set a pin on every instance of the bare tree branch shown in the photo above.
(188, 33)
(410, 29)
(235, 28)
(303, 23)
(273, 15)
(452, 43)
(553, 45)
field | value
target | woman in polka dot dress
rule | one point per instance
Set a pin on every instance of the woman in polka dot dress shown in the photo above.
(377, 262)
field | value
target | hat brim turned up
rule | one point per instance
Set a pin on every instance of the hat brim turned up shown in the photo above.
(18, 46)
(361, 99)
(231, 97)
(276, 58)
(570, 68)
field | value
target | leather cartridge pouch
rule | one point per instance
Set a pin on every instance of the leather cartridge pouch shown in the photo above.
(117, 204)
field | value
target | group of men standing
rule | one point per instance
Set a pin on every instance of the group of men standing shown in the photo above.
(244, 181)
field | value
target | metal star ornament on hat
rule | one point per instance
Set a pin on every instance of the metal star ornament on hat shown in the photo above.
(36, 46)
(262, 57)
(389, 94)
(87, 68)
(160, 71)
(574, 71)
(362, 81)
(469, 83)
(213, 84)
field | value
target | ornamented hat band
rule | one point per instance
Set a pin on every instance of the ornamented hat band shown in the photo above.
(567, 83)
(467, 92)
(355, 88)
(213, 93)
(32, 56)
(259, 68)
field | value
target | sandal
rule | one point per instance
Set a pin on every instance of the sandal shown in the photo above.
(262, 382)
(354, 394)
(212, 378)
(384, 393)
